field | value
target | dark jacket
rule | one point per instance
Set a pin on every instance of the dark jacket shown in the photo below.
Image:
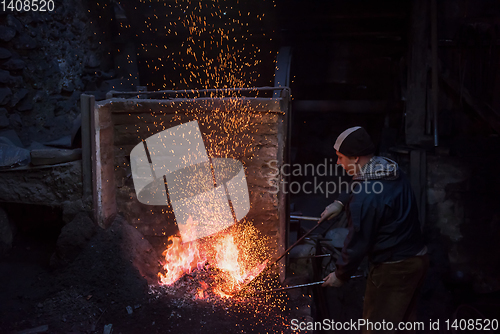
(383, 224)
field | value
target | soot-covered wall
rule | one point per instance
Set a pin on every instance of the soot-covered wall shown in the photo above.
(47, 59)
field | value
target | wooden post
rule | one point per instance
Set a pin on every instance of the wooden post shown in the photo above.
(104, 168)
(435, 69)
(97, 144)
(418, 179)
(87, 109)
(417, 74)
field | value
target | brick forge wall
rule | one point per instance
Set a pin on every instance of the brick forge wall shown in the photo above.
(250, 130)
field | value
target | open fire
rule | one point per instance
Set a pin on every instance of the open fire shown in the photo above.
(207, 274)
(233, 257)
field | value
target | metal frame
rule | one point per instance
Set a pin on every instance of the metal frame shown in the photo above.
(113, 93)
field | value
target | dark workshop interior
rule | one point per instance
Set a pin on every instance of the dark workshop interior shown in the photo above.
(272, 83)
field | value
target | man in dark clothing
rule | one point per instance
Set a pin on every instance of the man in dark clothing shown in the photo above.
(383, 224)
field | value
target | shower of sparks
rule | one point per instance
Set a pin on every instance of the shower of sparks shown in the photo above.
(217, 50)
(211, 44)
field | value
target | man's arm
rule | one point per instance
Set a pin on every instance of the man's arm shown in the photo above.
(363, 226)
(343, 198)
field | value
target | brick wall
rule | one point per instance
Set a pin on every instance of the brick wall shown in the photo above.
(250, 130)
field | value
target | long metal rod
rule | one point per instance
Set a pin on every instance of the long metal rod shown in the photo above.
(304, 218)
(212, 90)
(312, 256)
(301, 285)
(293, 287)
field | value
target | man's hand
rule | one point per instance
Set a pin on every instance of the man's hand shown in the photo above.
(333, 210)
(332, 280)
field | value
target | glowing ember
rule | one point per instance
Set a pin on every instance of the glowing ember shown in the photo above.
(231, 253)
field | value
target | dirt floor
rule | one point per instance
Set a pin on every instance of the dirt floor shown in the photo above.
(108, 289)
(104, 287)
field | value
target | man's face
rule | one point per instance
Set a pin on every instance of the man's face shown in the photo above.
(348, 163)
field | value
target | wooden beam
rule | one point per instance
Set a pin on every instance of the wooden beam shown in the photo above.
(349, 106)
(492, 117)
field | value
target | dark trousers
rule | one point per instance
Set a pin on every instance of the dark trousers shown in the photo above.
(392, 291)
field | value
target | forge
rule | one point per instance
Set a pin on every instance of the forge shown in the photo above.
(240, 126)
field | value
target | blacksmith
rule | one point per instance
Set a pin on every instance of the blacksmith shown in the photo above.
(383, 224)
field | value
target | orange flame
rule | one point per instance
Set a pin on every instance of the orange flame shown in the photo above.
(180, 259)
(236, 263)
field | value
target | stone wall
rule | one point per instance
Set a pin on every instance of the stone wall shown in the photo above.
(250, 130)
(463, 221)
(46, 60)
(46, 185)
